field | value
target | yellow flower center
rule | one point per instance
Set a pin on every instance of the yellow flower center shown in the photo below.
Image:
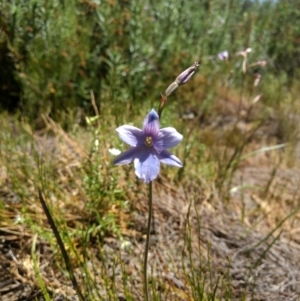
(148, 141)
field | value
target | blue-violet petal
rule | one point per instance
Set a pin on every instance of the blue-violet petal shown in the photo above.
(169, 159)
(130, 135)
(168, 138)
(151, 124)
(128, 156)
(147, 166)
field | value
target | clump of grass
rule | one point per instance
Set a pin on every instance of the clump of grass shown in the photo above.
(89, 202)
(57, 53)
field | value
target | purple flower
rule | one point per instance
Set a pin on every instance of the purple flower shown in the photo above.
(224, 55)
(148, 147)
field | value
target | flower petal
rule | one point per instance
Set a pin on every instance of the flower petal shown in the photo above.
(130, 135)
(151, 124)
(167, 158)
(167, 138)
(128, 156)
(147, 165)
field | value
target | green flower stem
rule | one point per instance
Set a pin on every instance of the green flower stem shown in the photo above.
(147, 244)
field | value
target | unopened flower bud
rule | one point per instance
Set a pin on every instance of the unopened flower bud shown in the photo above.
(256, 99)
(245, 52)
(184, 76)
(171, 88)
(262, 63)
(257, 78)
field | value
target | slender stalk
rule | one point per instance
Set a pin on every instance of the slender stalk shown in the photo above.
(147, 244)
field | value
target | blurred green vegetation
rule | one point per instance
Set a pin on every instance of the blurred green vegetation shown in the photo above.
(54, 53)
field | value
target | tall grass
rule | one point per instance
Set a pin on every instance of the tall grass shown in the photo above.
(60, 51)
